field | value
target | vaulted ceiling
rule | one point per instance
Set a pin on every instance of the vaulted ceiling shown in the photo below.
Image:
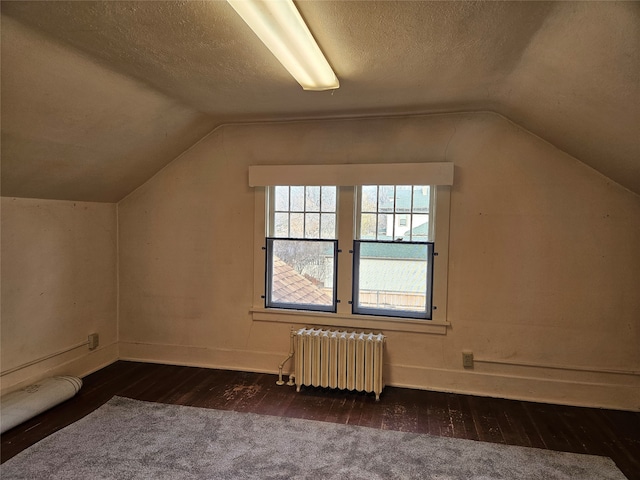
(98, 96)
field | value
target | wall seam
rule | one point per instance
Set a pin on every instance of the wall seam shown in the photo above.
(118, 276)
(374, 116)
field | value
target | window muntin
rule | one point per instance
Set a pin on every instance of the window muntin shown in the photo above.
(303, 212)
(301, 260)
(395, 213)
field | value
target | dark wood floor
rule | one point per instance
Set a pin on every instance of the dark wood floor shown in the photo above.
(609, 433)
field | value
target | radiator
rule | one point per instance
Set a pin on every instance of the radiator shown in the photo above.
(343, 360)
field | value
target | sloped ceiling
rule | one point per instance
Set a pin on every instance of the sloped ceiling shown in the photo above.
(98, 96)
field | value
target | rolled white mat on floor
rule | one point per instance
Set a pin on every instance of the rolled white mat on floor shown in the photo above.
(21, 405)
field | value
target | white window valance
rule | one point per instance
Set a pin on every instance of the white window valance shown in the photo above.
(428, 173)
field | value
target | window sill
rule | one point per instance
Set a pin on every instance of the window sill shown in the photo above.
(348, 321)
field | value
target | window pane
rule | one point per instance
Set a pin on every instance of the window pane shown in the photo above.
(385, 227)
(312, 199)
(297, 199)
(328, 225)
(393, 279)
(420, 228)
(282, 199)
(368, 226)
(421, 196)
(328, 199)
(312, 225)
(280, 224)
(386, 197)
(296, 227)
(403, 198)
(301, 274)
(369, 201)
(403, 227)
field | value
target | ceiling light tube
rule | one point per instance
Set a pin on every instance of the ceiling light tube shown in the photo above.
(281, 28)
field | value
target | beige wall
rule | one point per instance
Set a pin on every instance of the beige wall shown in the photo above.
(544, 272)
(58, 286)
(544, 269)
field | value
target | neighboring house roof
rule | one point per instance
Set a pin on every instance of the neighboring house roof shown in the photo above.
(395, 250)
(419, 233)
(401, 276)
(291, 287)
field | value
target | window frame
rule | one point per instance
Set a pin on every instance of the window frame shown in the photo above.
(437, 174)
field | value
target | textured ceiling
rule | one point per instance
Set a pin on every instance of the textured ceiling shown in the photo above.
(98, 96)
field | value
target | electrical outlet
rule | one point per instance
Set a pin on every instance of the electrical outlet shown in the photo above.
(94, 341)
(467, 359)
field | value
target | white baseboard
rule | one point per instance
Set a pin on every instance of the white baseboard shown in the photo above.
(600, 390)
(221, 358)
(618, 392)
(72, 363)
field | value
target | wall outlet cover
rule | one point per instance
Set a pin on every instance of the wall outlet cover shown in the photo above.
(94, 341)
(467, 359)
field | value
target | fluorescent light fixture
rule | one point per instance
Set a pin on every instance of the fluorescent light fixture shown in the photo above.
(281, 28)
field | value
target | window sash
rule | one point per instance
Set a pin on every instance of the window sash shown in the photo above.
(304, 285)
(380, 216)
(311, 222)
(359, 307)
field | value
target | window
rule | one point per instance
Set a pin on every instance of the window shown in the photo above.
(392, 257)
(353, 211)
(301, 248)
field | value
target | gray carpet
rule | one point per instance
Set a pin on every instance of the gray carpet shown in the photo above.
(129, 439)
